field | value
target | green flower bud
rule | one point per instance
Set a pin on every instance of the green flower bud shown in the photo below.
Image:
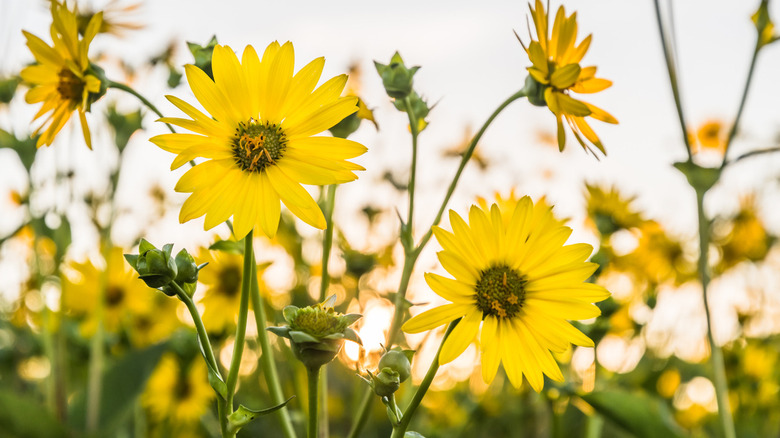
(386, 383)
(155, 267)
(398, 361)
(317, 332)
(186, 267)
(534, 91)
(396, 78)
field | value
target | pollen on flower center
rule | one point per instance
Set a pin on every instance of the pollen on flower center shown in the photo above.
(500, 291)
(70, 86)
(257, 145)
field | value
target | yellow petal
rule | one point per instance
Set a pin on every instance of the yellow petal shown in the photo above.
(435, 317)
(269, 207)
(297, 200)
(302, 85)
(450, 289)
(600, 114)
(42, 52)
(458, 267)
(324, 118)
(565, 76)
(85, 129)
(461, 336)
(278, 83)
(491, 356)
(561, 309)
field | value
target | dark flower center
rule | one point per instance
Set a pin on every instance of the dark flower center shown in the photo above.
(258, 145)
(229, 280)
(500, 291)
(114, 296)
(70, 87)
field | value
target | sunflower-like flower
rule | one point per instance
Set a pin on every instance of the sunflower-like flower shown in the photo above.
(125, 295)
(556, 72)
(609, 211)
(63, 79)
(178, 393)
(520, 283)
(258, 139)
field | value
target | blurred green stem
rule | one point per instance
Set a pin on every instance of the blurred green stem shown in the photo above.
(740, 109)
(123, 87)
(314, 376)
(400, 429)
(414, 128)
(96, 353)
(412, 252)
(327, 239)
(267, 357)
(716, 354)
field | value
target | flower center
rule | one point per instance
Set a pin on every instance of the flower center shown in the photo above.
(70, 87)
(257, 145)
(317, 322)
(500, 291)
(114, 295)
(229, 280)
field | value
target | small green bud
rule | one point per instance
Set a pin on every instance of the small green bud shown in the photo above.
(534, 91)
(398, 361)
(155, 267)
(396, 77)
(386, 383)
(186, 267)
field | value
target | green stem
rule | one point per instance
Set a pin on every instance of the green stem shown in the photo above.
(327, 239)
(267, 357)
(314, 376)
(199, 327)
(243, 309)
(96, 358)
(324, 425)
(671, 69)
(413, 127)
(738, 117)
(363, 411)
(716, 355)
(123, 87)
(400, 430)
(466, 156)
(754, 153)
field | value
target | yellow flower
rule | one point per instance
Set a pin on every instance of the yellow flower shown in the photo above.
(258, 139)
(555, 67)
(506, 204)
(711, 136)
(178, 393)
(62, 77)
(609, 211)
(155, 322)
(125, 294)
(117, 18)
(520, 283)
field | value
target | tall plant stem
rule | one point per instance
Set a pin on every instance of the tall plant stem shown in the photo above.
(400, 429)
(96, 347)
(716, 354)
(412, 252)
(740, 109)
(327, 239)
(314, 375)
(243, 310)
(267, 357)
(126, 88)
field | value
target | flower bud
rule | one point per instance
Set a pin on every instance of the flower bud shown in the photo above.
(386, 383)
(396, 78)
(398, 361)
(155, 267)
(317, 333)
(186, 267)
(534, 91)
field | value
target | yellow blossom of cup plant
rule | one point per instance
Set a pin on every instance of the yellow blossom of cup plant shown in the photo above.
(520, 283)
(178, 393)
(62, 78)
(555, 60)
(259, 139)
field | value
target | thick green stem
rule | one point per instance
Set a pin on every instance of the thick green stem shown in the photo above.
(243, 309)
(672, 70)
(314, 377)
(740, 109)
(716, 355)
(123, 87)
(267, 358)
(97, 353)
(327, 239)
(208, 351)
(400, 430)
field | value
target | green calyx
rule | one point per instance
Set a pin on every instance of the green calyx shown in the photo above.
(317, 332)
(534, 91)
(396, 77)
(159, 270)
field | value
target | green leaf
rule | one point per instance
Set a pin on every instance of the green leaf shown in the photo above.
(122, 384)
(229, 246)
(637, 413)
(244, 415)
(21, 417)
(124, 125)
(202, 55)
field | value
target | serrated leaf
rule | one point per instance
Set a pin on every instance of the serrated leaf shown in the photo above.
(243, 415)
(637, 413)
